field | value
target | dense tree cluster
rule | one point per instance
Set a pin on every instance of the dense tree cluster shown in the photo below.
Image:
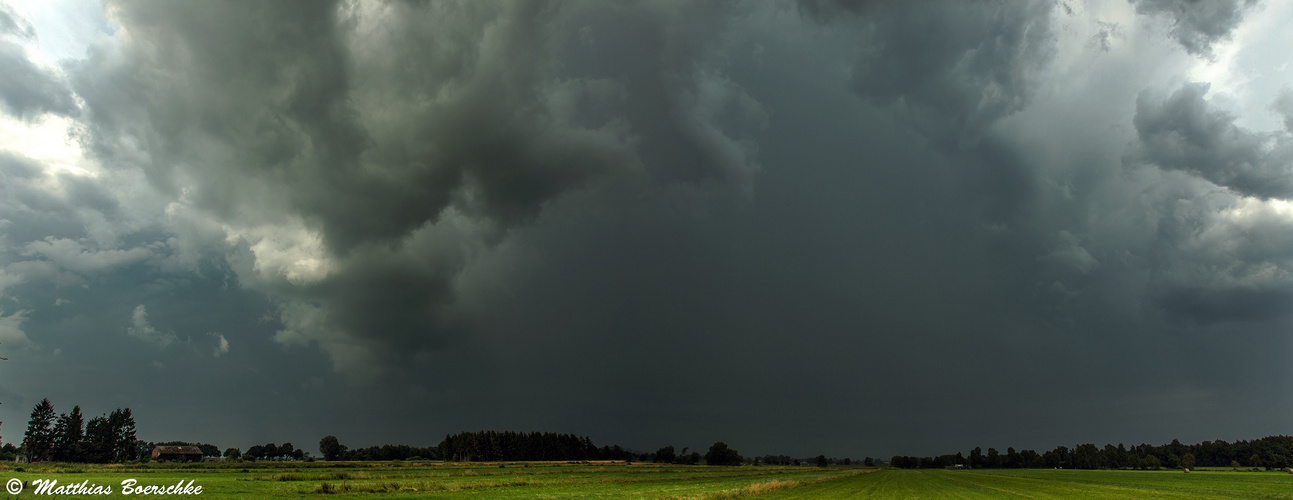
(776, 460)
(1273, 452)
(8, 452)
(488, 446)
(494, 445)
(271, 451)
(392, 452)
(667, 455)
(69, 438)
(664, 455)
(720, 454)
(476, 446)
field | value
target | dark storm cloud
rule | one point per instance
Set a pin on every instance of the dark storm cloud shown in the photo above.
(17, 166)
(1198, 24)
(378, 131)
(1284, 106)
(951, 68)
(1181, 132)
(27, 90)
(1233, 304)
(898, 224)
(89, 284)
(34, 213)
(387, 137)
(959, 65)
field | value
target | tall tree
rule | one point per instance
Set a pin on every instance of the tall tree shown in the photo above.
(208, 450)
(331, 449)
(720, 454)
(39, 440)
(100, 440)
(123, 428)
(1013, 459)
(665, 454)
(286, 450)
(69, 431)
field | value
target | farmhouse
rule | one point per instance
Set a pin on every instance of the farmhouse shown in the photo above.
(181, 453)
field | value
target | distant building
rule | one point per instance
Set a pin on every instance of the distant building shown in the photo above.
(180, 453)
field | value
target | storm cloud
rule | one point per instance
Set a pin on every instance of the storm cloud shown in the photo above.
(1182, 133)
(26, 89)
(1198, 25)
(912, 227)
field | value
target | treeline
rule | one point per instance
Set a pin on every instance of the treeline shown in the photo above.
(482, 446)
(334, 450)
(666, 455)
(1272, 452)
(268, 451)
(69, 438)
(488, 446)
(493, 446)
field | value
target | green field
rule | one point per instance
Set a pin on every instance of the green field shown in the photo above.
(619, 480)
(1047, 483)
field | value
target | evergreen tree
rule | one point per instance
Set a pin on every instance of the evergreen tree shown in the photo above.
(69, 431)
(39, 440)
(123, 430)
(100, 440)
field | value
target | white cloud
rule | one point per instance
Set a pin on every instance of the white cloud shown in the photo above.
(140, 328)
(1248, 72)
(222, 345)
(287, 251)
(8, 279)
(11, 333)
(49, 141)
(1069, 252)
(74, 256)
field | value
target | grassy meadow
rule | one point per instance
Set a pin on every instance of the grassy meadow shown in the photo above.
(644, 480)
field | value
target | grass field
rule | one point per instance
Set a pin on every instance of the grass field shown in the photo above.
(619, 480)
(1048, 483)
(436, 479)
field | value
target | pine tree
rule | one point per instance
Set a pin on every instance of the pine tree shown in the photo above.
(68, 434)
(99, 440)
(123, 431)
(39, 439)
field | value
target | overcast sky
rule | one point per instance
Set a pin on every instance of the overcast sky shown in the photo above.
(858, 228)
